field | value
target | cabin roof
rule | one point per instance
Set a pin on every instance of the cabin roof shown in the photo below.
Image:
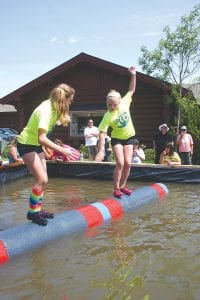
(195, 88)
(80, 58)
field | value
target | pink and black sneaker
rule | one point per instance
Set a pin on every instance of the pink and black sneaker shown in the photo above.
(117, 193)
(126, 191)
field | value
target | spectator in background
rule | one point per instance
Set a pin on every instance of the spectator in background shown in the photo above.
(169, 156)
(108, 149)
(91, 134)
(57, 155)
(48, 153)
(2, 148)
(1, 161)
(185, 144)
(13, 154)
(138, 153)
(160, 140)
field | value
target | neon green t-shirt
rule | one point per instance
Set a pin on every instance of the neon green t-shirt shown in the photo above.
(119, 120)
(43, 117)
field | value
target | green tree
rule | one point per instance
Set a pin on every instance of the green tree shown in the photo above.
(177, 60)
(190, 116)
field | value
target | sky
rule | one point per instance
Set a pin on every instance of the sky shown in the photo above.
(39, 35)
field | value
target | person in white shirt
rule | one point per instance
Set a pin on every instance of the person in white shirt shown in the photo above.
(138, 153)
(91, 134)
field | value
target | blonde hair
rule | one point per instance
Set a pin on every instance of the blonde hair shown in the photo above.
(113, 95)
(61, 98)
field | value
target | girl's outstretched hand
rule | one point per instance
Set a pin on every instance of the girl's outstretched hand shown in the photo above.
(132, 70)
(67, 152)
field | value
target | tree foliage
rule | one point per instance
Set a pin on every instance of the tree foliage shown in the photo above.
(177, 60)
(190, 116)
(177, 56)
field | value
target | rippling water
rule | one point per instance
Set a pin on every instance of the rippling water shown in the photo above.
(152, 253)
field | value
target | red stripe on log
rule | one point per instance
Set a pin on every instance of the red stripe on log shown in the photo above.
(114, 207)
(161, 192)
(3, 253)
(92, 215)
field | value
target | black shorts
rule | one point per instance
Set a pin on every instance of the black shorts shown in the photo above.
(128, 141)
(23, 149)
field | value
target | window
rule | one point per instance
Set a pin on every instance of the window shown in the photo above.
(79, 120)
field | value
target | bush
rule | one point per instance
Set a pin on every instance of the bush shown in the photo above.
(149, 156)
(83, 149)
(5, 152)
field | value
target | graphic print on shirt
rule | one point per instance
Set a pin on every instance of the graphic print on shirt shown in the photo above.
(122, 120)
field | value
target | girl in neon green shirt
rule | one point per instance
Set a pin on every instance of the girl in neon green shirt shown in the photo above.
(35, 136)
(119, 119)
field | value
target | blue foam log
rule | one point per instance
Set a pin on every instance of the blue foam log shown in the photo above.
(25, 237)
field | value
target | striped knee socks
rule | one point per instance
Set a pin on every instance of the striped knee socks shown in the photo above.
(35, 203)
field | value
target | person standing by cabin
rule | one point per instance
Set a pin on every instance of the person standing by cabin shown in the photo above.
(107, 149)
(1, 161)
(34, 136)
(13, 154)
(160, 140)
(185, 146)
(91, 134)
(119, 119)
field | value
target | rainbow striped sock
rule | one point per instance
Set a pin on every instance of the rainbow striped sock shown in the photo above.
(35, 201)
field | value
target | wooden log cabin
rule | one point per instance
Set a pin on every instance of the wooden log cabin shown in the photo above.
(92, 78)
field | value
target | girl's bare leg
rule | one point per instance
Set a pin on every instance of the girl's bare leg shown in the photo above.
(127, 153)
(37, 165)
(119, 158)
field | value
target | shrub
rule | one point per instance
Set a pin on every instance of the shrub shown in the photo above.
(149, 156)
(83, 149)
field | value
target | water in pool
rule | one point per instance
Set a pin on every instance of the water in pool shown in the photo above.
(151, 253)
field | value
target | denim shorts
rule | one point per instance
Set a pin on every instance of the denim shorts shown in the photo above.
(128, 141)
(24, 149)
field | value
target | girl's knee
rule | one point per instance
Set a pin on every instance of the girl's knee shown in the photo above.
(127, 164)
(120, 164)
(43, 181)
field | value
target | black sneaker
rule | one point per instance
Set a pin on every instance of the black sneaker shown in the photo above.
(37, 218)
(45, 214)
